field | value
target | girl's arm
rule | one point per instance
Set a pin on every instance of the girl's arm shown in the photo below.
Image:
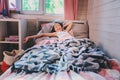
(68, 25)
(40, 35)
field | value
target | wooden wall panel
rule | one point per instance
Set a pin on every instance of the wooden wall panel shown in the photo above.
(82, 9)
(104, 25)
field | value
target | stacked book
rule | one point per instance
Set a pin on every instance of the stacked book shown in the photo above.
(11, 38)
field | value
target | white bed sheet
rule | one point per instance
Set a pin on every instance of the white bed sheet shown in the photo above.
(113, 75)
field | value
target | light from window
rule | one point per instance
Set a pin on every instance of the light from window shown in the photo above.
(38, 6)
(54, 6)
(12, 4)
(30, 5)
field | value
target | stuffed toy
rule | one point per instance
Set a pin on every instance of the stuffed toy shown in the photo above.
(10, 58)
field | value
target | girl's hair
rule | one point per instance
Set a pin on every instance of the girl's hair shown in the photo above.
(53, 29)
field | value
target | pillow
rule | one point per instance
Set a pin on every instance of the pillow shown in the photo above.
(80, 30)
(45, 28)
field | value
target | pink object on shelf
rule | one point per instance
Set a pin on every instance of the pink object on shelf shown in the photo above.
(11, 38)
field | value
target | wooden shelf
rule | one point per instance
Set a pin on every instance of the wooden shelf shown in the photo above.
(10, 19)
(10, 27)
(12, 42)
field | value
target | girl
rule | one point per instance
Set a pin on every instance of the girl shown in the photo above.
(58, 32)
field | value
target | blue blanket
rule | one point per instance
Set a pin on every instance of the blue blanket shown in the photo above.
(71, 54)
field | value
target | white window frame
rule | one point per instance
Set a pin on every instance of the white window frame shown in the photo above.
(41, 10)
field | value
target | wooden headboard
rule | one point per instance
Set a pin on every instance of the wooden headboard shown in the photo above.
(39, 22)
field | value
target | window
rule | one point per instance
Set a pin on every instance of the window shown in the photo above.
(30, 5)
(38, 6)
(54, 6)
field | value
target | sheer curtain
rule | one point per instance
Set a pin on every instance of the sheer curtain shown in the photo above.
(70, 9)
(4, 7)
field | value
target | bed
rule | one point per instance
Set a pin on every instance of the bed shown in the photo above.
(74, 59)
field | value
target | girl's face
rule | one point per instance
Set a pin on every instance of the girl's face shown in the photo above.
(58, 27)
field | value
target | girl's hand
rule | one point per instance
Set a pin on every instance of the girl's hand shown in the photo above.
(26, 39)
